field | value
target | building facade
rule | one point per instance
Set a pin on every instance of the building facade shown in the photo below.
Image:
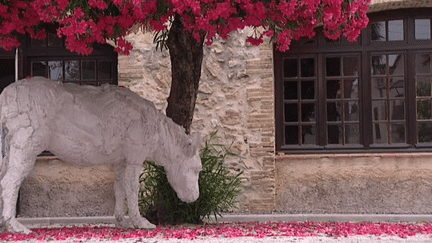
(328, 127)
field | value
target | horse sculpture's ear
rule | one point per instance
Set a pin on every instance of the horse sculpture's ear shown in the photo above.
(197, 139)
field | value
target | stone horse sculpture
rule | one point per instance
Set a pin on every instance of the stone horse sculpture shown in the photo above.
(86, 125)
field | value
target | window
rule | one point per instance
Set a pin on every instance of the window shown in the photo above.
(342, 101)
(422, 29)
(300, 101)
(388, 98)
(371, 95)
(392, 30)
(423, 97)
(49, 58)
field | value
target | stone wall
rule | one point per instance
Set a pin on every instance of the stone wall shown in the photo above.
(235, 98)
(354, 183)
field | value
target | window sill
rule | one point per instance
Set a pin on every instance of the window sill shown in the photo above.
(416, 154)
(356, 149)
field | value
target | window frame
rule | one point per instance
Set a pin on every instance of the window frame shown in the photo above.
(299, 79)
(325, 122)
(59, 52)
(365, 48)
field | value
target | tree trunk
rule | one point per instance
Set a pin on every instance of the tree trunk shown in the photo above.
(186, 60)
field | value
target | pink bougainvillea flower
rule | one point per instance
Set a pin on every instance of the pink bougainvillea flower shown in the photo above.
(84, 23)
(225, 230)
(255, 41)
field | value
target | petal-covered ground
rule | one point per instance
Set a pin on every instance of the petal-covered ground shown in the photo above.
(225, 230)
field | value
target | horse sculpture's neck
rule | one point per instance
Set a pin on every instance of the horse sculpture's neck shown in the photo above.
(170, 139)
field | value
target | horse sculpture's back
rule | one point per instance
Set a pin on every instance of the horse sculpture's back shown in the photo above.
(89, 125)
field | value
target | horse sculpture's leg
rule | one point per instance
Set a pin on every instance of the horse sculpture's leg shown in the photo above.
(19, 166)
(131, 182)
(120, 195)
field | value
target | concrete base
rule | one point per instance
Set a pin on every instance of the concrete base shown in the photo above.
(236, 218)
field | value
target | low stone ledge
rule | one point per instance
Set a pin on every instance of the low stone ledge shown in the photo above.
(236, 218)
(67, 220)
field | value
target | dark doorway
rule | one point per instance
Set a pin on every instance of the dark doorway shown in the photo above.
(7, 72)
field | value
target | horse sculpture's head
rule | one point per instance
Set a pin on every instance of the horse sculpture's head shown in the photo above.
(183, 174)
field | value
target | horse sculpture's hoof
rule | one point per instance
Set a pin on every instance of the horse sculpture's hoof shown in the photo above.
(122, 223)
(142, 223)
(14, 226)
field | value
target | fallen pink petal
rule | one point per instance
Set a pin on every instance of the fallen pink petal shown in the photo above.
(225, 230)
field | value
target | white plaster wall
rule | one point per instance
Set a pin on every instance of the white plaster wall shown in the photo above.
(56, 189)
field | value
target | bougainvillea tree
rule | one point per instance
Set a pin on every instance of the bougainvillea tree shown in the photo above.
(187, 24)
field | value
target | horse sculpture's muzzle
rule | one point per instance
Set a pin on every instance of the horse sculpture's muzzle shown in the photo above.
(189, 197)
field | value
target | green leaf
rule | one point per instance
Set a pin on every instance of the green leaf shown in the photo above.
(160, 39)
(219, 189)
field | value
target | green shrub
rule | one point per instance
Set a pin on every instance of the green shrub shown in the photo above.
(219, 189)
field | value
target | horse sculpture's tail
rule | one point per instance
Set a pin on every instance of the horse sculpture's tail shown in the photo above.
(3, 140)
(3, 145)
(3, 133)
(3, 148)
